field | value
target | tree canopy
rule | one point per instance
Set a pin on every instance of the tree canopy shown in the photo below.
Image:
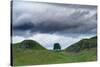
(57, 47)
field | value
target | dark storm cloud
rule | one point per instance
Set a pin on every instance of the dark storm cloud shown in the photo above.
(25, 26)
(31, 17)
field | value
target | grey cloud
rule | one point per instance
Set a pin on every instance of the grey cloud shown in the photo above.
(30, 18)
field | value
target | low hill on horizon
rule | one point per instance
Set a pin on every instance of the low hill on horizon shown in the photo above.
(83, 44)
(29, 44)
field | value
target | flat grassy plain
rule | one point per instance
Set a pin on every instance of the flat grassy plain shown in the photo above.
(37, 57)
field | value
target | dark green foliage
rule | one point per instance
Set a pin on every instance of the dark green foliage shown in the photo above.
(57, 47)
(83, 44)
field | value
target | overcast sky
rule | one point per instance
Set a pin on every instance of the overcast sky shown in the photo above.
(48, 23)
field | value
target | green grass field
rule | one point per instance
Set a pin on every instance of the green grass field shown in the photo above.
(30, 52)
(36, 57)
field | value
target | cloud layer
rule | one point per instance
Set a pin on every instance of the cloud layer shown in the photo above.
(32, 17)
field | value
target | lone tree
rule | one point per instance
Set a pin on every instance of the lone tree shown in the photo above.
(57, 47)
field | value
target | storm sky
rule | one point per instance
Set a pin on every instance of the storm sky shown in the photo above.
(48, 23)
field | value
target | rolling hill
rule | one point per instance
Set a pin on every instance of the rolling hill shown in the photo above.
(28, 44)
(83, 44)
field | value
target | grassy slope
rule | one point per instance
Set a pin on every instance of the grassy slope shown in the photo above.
(83, 44)
(33, 57)
(36, 46)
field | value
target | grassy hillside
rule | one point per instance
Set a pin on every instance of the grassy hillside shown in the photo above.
(35, 55)
(83, 44)
(28, 44)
